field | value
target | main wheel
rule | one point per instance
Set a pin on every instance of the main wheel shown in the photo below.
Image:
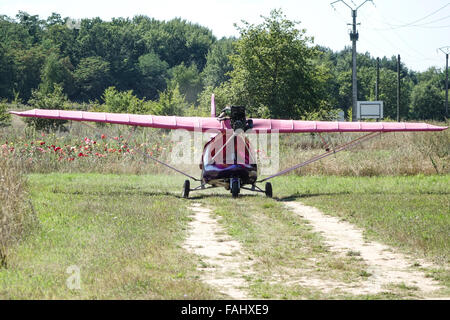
(268, 189)
(186, 189)
(235, 188)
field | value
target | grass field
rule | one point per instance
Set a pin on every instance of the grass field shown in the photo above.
(120, 231)
(124, 233)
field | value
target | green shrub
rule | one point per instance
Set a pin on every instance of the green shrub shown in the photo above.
(54, 100)
(5, 117)
(123, 102)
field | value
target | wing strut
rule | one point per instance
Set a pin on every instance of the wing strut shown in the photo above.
(326, 154)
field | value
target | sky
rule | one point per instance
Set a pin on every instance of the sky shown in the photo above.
(415, 29)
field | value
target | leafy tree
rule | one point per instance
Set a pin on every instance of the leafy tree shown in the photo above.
(178, 41)
(55, 100)
(388, 94)
(13, 34)
(54, 19)
(427, 102)
(63, 39)
(57, 71)
(272, 70)
(218, 63)
(188, 81)
(91, 77)
(6, 72)
(32, 24)
(433, 75)
(154, 73)
(28, 65)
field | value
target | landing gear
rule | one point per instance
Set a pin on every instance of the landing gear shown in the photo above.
(268, 190)
(186, 189)
(235, 187)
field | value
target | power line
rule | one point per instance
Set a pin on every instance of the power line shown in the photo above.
(446, 51)
(430, 22)
(401, 39)
(414, 22)
(434, 27)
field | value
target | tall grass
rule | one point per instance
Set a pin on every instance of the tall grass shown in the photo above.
(15, 213)
(404, 153)
(391, 154)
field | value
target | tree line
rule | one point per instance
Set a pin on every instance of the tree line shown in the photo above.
(144, 65)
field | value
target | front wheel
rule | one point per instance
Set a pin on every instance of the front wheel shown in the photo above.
(186, 189)
(268, 190)
(235, 188)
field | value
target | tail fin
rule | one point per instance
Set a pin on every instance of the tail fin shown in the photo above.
(213, 106)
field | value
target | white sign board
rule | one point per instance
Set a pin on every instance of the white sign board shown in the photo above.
(369, 110)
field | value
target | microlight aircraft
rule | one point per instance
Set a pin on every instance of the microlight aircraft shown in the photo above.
(228, 159)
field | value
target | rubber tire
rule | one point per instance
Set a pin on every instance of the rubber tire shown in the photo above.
(268, 190)
(186, 189)
(235, 189)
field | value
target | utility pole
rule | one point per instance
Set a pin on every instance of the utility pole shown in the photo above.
(398, 88)
(446, 51)
(354, 35)
(377, 81)
(446, 85)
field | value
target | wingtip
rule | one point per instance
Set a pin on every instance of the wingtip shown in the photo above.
(22, 113)
(439, 128)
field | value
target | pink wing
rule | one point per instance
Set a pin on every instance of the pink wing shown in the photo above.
(205, 124)
(297, 126)
(162, 122)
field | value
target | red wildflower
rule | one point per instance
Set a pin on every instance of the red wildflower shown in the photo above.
(103, 136)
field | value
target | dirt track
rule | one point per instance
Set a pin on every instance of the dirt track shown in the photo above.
(384, 264)
(225, 264)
